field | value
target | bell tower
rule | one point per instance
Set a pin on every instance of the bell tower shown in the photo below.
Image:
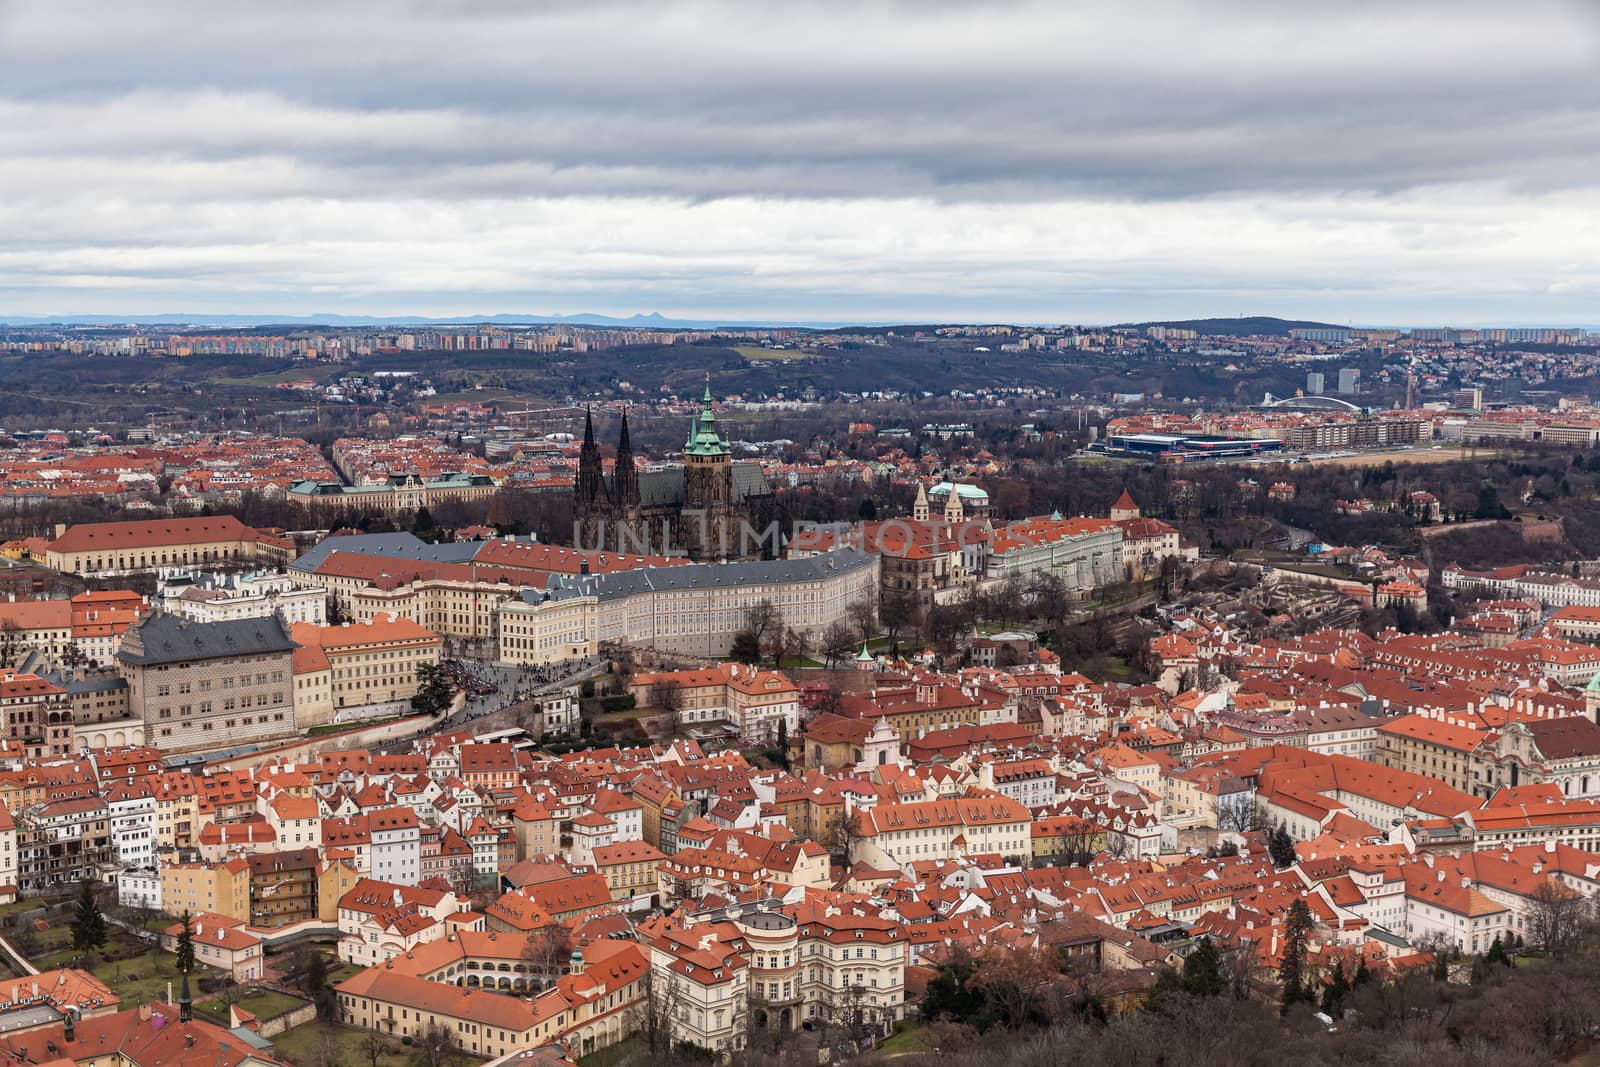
(707, 487)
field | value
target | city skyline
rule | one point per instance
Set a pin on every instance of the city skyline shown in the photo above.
(895, 164)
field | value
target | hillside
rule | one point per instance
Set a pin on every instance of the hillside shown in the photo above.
(1250, 325)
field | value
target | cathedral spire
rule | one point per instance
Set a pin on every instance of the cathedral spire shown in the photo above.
(625, 482)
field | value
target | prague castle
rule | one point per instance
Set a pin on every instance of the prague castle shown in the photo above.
(709, 508)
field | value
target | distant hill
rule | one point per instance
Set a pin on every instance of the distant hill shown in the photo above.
(652, 321)
(1264, 325)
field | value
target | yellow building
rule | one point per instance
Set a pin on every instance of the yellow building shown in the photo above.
(536, 632)
(370, 665)
(629, 867)
(220, 888)
(101, 547)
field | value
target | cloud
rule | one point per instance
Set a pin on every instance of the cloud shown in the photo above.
(763, 158)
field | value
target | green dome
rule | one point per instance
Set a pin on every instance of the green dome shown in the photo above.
(1594, 685)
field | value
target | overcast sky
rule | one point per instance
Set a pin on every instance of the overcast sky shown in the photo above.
(1372, 163)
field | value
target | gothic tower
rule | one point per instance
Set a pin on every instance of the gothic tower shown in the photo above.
(589, 503)
(625, 482)
(708, 488)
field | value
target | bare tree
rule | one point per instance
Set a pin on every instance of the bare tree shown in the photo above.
(372, 1046)
(840, 835)
(655, 1010)
(435, 1047)
(863, 615)
(548, 950)
(1556, 917)
(761, 619)
(837, 643)
(896, 613)
(1237, 813)
(12, 645)
(669, 698)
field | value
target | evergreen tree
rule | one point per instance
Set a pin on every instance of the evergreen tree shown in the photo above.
(88, 925)
(1202, 971)
(186, 944)
(434, 690)
(1362, 976)
(1333, 993)
(1280, 847)
(1441, 967)
(1497, 953)
(746, 647)
(783, 742)
(1296, 951)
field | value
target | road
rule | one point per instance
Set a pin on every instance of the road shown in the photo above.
(513, 684)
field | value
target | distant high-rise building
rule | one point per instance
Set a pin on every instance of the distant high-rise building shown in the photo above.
(1468, 398)
(1315, 383)
(1349, 381)
(1326, 334)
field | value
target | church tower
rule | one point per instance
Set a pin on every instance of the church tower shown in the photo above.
(919, 507)
(625, 482)
(952, 505)
(589, 504)
(708, 487)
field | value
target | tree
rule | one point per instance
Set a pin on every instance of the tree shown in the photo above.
(185, 951)
(1202, 971)
(746, 647)
(840, 836)
(895, 614)
(88, 924)
(669, 698)
(654, 1011)
(1555, 917)
(313, 967)
(1497, 953)
(783, 740)
(863, 616)
(1236, 812)
(434, 690)
(837, 643)
(1280, 847)
(761, 618)
(434, 1048)
(1292, 968)
(12, 645)
(1334, 992)
(372, 1046)
(548, 950)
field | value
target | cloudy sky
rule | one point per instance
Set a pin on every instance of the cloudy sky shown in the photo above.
(1364, 162)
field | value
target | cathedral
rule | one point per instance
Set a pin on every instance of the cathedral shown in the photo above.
(709, 508)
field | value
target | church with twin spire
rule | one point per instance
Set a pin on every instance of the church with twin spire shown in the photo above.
(708, 507)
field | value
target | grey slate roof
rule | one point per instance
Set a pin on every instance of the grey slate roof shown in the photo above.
(174, 639)
(392, 545)
(620, 584)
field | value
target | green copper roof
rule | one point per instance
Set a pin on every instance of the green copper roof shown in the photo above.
(867, 657)
(704, 440)
(1594, 684)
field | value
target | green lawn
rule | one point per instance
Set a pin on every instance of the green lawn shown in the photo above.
(264, 1005)
(610, 1054)
(141, 980)
(908, 1038)
(303, 1045)
(786, 355)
